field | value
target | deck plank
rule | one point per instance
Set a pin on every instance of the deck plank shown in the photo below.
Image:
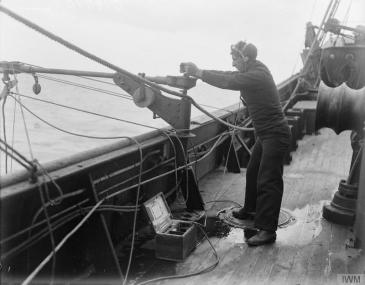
(309, 251)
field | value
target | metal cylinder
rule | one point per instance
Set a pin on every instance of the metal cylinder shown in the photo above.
(340, 108)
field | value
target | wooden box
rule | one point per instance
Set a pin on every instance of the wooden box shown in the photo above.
(174, 239)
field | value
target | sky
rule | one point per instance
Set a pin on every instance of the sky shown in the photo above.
(154, 36)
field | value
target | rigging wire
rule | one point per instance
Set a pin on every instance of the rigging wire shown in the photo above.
(4, 133)
(17, 155)
(108, 92)
(125, 96)
(74, 133)
(347, 14)
(15, 158)
(13, 132)
(30, 277)
(84, 111)
(23, 117)
(105, 63)
(232, 139)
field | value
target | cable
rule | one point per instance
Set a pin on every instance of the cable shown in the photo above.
(73, 133)
(51, 235)
(205, 270)
(37, 237)
(224, 201)
(139, 184)
(346, 17)
(125, 96)
(135, 212)
(13, 133)
(63, 241)
(15, 158)
(110, 65)
(25, 230)
(59, 199)
(21, 157)
(161, 175)
(4, 134)
(57, 224)
(83, 111)
(136, 176)
(115, 94)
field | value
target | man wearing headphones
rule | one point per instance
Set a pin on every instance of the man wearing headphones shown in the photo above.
(264, 176)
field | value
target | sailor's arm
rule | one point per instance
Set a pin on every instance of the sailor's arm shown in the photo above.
(233, 80)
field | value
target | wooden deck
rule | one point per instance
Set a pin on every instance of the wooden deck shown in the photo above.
(309, 251)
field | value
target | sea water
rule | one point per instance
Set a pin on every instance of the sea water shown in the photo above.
(63, 135)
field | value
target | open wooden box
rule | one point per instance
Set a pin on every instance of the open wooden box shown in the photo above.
(174, 239)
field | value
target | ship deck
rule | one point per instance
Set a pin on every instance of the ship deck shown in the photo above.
(309, 250)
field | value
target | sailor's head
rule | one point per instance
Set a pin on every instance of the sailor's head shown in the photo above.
(242, 53)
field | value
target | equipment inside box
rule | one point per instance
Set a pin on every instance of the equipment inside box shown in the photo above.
(178, 228)
(174, 239)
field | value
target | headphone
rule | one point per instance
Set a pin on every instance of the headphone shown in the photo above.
(241, 52)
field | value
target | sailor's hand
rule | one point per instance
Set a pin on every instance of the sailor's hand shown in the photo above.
(190, 69)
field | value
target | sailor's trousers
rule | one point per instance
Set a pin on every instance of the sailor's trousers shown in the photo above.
(264, 181)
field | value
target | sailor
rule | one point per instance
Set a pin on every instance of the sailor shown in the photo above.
(264, 176)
